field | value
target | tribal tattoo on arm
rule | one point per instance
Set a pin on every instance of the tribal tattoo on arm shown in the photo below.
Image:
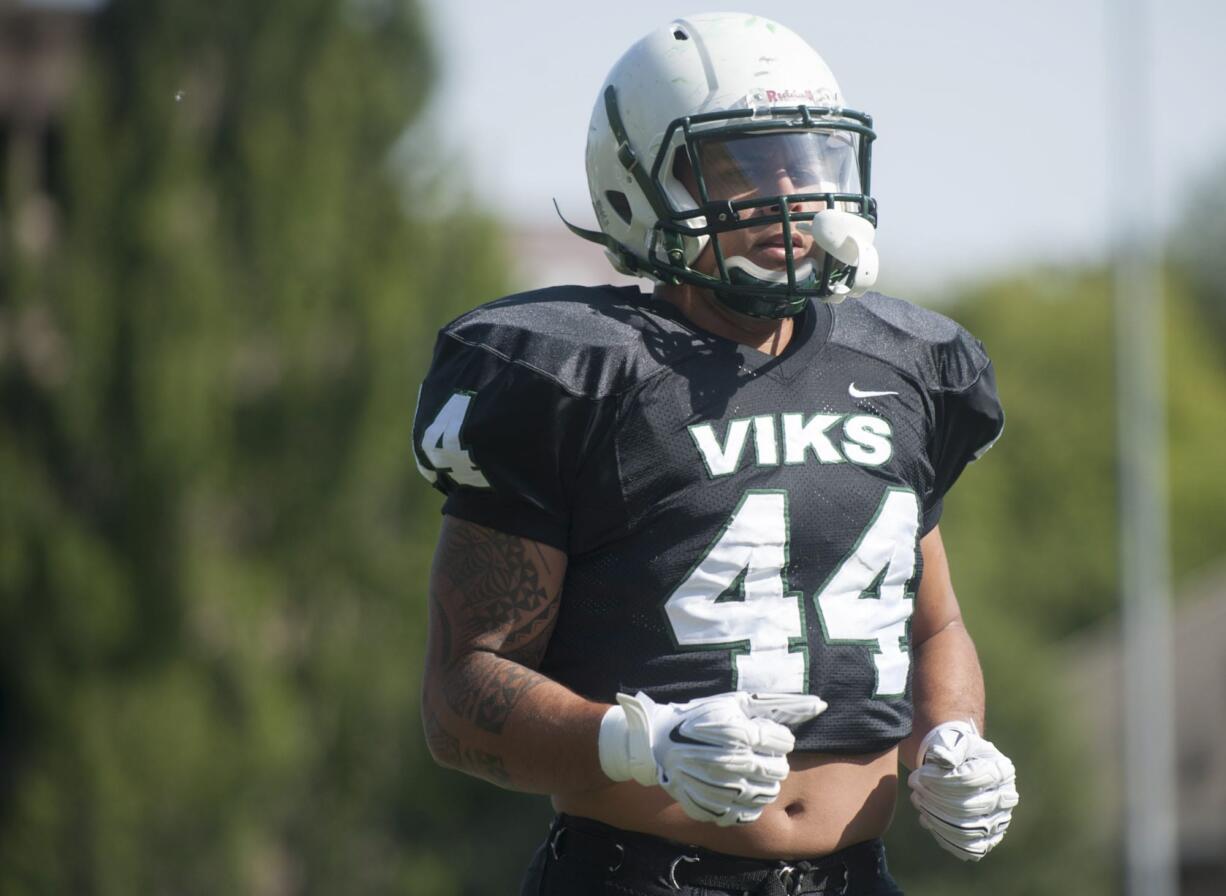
(493, 605)
(445, 747)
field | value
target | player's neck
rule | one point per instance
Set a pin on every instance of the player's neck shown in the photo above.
(700, 306)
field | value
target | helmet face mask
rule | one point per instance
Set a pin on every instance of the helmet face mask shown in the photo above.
(677, 197)
(737, 165)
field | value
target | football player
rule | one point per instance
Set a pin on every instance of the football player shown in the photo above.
(690, 579)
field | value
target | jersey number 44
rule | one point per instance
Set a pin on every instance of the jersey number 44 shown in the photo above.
(737, 598)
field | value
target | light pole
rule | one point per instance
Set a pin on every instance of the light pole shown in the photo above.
(1144, 568)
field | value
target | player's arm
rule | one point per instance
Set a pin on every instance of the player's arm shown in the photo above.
(963, 787)
(486, 710)
(947, 683)
(506, 446)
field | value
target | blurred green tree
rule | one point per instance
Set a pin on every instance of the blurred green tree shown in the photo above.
(1196, 247)
(213, 543)
(1032, 534)
(1038, 516)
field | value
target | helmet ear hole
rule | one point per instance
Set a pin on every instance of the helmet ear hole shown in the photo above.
(619, 203)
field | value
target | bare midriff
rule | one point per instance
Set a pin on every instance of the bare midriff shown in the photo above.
(827, 802)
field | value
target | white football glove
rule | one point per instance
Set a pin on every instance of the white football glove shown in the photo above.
(964, 790)
(721, 758)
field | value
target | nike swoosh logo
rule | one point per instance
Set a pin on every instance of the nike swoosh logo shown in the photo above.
(678, 737)
(857, 393)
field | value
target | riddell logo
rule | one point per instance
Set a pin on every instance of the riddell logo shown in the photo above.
(810, 97)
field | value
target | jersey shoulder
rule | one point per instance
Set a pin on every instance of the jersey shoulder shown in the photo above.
(933, 349)
(592, 342)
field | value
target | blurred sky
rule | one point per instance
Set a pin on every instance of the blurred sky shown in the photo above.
(992, 118)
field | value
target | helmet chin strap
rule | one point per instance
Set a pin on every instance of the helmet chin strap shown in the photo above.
(742, 272)
(804, 271)
(847, 238)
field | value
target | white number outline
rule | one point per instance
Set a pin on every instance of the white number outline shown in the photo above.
(743, 646)
(434, 435)
(908, 593)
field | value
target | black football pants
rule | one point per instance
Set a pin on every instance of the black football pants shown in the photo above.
(582, 857)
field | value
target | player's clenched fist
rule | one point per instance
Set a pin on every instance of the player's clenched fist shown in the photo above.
(721, 758)
(965, 790)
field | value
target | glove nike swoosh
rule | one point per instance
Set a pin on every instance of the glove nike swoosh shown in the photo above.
(677, 736)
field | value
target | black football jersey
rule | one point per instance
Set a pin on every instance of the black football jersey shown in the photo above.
(733, 520)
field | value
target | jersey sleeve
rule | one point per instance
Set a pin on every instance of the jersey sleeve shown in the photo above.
(501, 440)
(968, 417)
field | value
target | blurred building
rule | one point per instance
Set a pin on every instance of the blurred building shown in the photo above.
(1200, 705)
(41, 43)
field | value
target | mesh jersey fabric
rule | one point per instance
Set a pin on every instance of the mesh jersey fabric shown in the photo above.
(731, 519)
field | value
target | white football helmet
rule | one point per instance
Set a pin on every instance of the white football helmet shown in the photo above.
(737, 106)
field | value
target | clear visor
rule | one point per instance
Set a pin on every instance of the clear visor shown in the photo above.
(780, 164)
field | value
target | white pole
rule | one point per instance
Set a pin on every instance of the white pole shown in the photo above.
(1144, 568)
